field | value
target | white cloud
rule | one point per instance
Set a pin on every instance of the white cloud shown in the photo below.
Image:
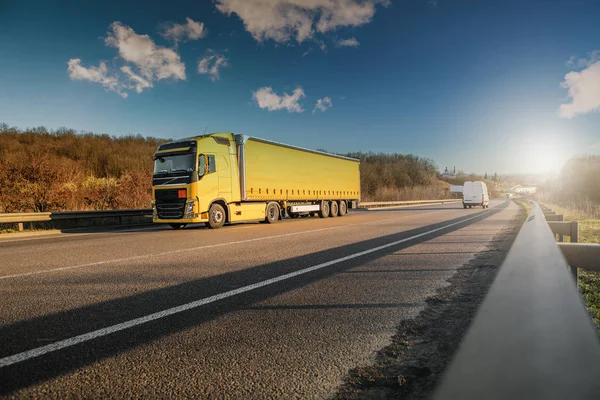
(352, 42)
(266, 98)
(584, 91)
(154, 62)
(323, 104)
(97, 74)
(211, 64)
(321, 45)
(139, 83)
(574, 62)
(284, 20)
(191, 30)
(145, 62)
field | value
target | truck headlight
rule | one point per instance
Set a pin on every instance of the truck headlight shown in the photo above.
(189, 208)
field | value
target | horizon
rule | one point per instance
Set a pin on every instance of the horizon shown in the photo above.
(440, 169)
(441, 80)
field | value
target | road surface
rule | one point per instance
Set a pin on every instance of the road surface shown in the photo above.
(247, 311)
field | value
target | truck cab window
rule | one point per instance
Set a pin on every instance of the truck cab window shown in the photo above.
(212, 164)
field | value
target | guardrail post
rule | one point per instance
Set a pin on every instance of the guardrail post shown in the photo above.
(574, 232)
(20, 226)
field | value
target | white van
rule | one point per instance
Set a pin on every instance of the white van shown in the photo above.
(475, 194)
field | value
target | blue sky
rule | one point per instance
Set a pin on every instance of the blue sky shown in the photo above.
(471, 84)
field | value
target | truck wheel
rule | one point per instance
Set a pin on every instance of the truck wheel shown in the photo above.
(464, 206)
(216, 216)
(272, 213)
(177, 226)
(343, 208)
(324, 211)
(334, 209)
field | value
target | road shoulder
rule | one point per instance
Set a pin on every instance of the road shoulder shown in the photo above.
(412, 365)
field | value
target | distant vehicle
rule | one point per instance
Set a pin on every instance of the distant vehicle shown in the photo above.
(475, 194)
(222, 177)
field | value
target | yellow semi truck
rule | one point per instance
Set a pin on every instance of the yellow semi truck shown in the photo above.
(223, 178)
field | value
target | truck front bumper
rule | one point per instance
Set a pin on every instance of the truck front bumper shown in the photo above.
(195, 220)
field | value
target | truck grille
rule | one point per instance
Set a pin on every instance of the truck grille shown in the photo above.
(168, 206)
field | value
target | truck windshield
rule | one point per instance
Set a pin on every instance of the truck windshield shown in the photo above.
(166, 164)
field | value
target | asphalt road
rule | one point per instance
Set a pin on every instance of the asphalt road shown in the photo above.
(247, 311)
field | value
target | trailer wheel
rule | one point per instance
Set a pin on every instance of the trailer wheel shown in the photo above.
(334, 209)
(272, 213)
(343, 208)
(464, 206)
(324, 211)
(216, 216)
(177, 226)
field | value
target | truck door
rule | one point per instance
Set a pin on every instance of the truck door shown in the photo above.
(224, 173)
(208, 185)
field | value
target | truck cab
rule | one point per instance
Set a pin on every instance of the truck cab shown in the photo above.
(189, 173)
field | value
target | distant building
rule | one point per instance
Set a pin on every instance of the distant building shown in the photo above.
(448, 174)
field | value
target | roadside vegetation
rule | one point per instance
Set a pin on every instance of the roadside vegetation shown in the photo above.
(390, 177)
(576, 195)
(62, 170)
(65, 170)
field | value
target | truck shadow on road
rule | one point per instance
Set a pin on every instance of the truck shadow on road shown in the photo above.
(25, 335)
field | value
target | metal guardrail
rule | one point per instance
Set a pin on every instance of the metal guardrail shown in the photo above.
(532, 337)
(375, 204)
(19, 218)
(582, 255)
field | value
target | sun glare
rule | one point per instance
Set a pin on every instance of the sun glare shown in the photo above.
(541, 155)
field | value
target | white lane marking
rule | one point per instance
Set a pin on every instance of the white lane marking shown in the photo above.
(29, 354)
(45, 271)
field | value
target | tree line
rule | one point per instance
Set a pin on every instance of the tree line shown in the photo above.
(577, 186)
(62, 169)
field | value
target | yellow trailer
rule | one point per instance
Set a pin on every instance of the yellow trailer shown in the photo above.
(223, 177)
